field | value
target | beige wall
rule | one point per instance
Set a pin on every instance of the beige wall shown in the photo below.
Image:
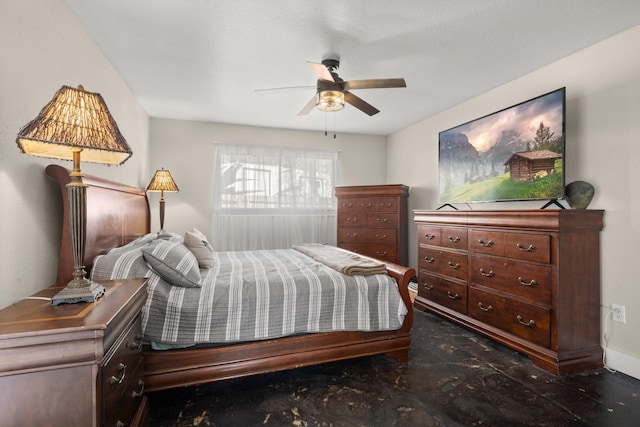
(43, 48)
(187, 150)
(603, 147)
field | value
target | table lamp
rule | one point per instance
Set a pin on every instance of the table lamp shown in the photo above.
(162, 181)
(74, 123)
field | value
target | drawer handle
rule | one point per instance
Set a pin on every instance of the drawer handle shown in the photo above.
(485, 244)
(429, 260)
(428, 287)
(531, 248)
(454, 239)
(137, 394)
(532, 283)
(452, 296)
(365, 205)
(489, 274)
(455, 266)
(352, 236)
(347, 205)
(381, 236)
(381, 253)
(386, 205)
(483, 308)
(354, 219)
(136, 344)
(382, 219)
(429, 236)
(122, 368)
(529, 323)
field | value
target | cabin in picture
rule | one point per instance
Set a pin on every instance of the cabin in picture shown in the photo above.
(528, 165)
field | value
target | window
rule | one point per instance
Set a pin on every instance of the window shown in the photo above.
(288, 191)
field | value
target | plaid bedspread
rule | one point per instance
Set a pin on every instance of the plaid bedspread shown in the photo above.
(256, 295)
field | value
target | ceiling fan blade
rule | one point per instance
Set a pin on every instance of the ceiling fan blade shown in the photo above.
(322, 71)
(374, 83)
(360, 104)
(291, 88)
(309, 107)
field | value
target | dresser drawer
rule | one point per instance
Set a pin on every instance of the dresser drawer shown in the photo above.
(429, 235)
(445, 292)
(122, 373)
(353, 219)
(454, 238)
(383, 236)
(357, 204)
(527, 280)
(486, 242)
(383, 252)
(352, 235)
(527, 321)
(387, 204)
(528, 246)
(447, 263)
(382, 220)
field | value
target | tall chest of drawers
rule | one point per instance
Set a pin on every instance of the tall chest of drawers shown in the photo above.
(372, 221)
(529, 279)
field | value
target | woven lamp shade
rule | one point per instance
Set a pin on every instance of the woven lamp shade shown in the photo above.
(75, 120)
(162, 181)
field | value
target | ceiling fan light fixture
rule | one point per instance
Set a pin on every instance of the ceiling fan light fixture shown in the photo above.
(330, 100)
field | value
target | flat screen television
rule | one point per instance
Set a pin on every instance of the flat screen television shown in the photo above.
(513, 154)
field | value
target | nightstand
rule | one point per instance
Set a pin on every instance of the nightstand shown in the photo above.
(74, 364)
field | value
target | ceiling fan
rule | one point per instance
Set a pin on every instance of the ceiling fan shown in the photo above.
(332, 91)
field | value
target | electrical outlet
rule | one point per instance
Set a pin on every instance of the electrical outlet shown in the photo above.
(618, 313)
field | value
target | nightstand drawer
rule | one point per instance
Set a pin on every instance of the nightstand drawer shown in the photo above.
(122, 376)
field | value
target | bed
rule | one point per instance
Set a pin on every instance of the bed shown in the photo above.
(119, 214)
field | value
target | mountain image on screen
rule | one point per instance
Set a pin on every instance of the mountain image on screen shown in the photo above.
(513, 154)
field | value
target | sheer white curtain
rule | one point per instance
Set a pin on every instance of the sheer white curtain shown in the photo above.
(273, 197)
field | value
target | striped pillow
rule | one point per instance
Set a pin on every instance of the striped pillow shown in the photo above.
(173, 262)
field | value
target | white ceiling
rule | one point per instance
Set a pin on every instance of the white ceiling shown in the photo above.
(204, 59)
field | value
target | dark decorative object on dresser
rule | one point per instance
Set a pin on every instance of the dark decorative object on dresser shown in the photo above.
(74, 364)
(530, 279)
(372, 221)
(579, 194)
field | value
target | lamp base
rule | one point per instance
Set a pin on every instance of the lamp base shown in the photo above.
(72, 295)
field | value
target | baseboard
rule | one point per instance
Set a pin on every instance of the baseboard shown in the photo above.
(624, 363)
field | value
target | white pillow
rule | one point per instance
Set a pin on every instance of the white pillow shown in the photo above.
(198, 244)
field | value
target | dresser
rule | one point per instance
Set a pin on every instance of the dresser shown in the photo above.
(74, 364)
(529, 279)
(372, 221)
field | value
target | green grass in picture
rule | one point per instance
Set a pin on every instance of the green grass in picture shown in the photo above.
(502, 187)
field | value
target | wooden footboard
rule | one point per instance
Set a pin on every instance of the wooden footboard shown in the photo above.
(175, 368)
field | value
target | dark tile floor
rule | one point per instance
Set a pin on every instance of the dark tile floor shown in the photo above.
(454, 378)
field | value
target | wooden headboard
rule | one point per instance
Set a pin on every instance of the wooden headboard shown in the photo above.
(116, 214)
